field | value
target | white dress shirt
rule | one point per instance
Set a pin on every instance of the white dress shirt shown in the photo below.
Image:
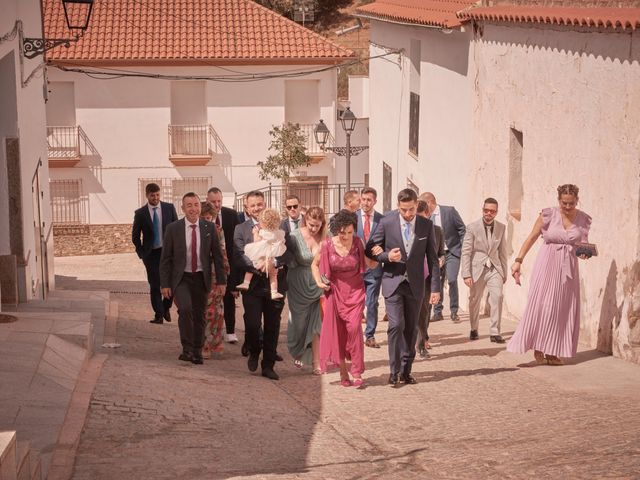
(187, 232)
(436, 218)
(159, 213)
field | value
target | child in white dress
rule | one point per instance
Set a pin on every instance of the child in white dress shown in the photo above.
(268, 243)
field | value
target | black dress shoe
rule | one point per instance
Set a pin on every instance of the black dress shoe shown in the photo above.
(157, 320)
(197, 359)
(278, 358)
(408, 379)
(473, 335)
(270, 374)
(185, 357)
(497, 339)
(455, 318)
(252, 363)
(393, 379)
(244, 350)
(167, 316)
(436, 317)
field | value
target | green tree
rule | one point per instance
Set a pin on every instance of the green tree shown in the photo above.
(289, 145)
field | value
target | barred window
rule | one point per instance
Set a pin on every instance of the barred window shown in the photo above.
(68, 202)
(414, 122)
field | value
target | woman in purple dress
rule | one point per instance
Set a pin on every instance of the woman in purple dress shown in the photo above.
(338, 270)
(551, 321)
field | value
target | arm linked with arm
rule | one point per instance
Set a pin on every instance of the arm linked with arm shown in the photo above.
(377, 238)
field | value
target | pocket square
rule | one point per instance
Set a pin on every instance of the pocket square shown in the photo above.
(423, 238)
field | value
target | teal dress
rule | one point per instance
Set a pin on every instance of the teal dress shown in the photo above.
(303, 296)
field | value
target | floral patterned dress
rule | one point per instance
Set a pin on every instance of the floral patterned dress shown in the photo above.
(214, 314)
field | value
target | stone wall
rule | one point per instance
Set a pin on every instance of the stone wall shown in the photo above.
(72, 240)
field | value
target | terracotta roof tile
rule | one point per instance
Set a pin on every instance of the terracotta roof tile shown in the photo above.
(623, 18)
(143, 30)
(437, 13)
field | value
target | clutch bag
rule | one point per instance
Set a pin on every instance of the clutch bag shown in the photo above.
(588, 249)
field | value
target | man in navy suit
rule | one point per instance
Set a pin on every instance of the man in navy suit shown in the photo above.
(454, 229)
(294, 216)
(404, 240)
(149, 225)
(368, 220)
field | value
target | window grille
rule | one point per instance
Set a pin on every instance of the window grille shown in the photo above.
(68, 202)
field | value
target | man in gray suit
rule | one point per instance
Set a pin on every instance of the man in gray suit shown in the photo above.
(190, 248)
(453, 228)
(294, 217)
(404, 240)
(484, 264)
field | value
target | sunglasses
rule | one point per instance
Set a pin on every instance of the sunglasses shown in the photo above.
(291, 207)
(488, 210)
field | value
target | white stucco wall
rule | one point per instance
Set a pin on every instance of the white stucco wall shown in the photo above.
(445, 112)
(126, 120)
(575, 95)
(30, 128)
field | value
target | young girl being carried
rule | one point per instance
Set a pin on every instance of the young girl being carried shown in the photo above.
(268, 243)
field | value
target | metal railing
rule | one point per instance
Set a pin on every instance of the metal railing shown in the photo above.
(63, 142)
(311, 194)
(195, 140)
(68, 202)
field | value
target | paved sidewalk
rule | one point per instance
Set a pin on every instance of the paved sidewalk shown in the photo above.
(477, 412)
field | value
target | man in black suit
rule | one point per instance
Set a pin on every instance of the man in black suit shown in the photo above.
(404, 241)
(149, 225)
(257, 300)
(227, 219)
(453, 229)
(191, 250)
(294, 217)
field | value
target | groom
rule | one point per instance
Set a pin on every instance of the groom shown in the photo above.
(408, 254)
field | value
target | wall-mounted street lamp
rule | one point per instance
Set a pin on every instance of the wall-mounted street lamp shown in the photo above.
(348, 121)
(77, 14)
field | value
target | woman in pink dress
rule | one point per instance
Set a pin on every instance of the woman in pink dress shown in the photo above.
(338, 270)
(551, 321)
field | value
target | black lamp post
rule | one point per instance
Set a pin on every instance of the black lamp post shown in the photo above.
(77, 14)
(348, 121)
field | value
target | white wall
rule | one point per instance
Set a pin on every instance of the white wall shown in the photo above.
(127, 120)
(29, 100)
(575, 95)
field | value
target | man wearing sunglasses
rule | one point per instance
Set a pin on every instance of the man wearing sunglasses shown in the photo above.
(294, 217)
(484, 264)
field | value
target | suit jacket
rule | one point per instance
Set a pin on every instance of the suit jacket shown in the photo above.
(286, 225)
(477, 249)
(388, 235)
(243, 235)
(439, 240)
(143, 224)
(453, 227)
(360, 230)
(174, 255)
(242, 217)
(229, 222)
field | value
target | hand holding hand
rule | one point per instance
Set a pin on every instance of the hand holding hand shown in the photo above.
(376, 250)
(395, 255)
(468, 281)
(166, 292)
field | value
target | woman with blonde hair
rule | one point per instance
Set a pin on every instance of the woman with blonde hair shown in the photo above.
(550, 324)
(303, 295)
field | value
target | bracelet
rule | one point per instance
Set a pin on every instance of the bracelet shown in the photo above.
(519, 260)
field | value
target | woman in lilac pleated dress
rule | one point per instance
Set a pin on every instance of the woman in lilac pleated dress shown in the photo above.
(338, 270)
(551, 321)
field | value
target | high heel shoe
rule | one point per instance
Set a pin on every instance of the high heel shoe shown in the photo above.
(553, 360)
(358, 382)
(345, 382)
(539, 356)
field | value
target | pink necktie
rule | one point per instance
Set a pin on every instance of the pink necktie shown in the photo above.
(194, 249)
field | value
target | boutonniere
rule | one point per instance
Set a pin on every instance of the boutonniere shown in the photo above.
(208, 234)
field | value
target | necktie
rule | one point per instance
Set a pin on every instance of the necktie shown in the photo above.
(295, 224)
(367, 227)
(194, 249)
(157, 236)
(407, 232)
(218, 220)
(488, 229)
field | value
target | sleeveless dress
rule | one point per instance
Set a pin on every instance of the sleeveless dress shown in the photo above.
(303, 296)
(341, 336)
(551, 319)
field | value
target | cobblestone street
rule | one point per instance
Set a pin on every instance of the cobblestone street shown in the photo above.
(477, 411)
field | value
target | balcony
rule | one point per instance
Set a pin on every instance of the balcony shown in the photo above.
(63, 146)
(313, 149)
(194, 145)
